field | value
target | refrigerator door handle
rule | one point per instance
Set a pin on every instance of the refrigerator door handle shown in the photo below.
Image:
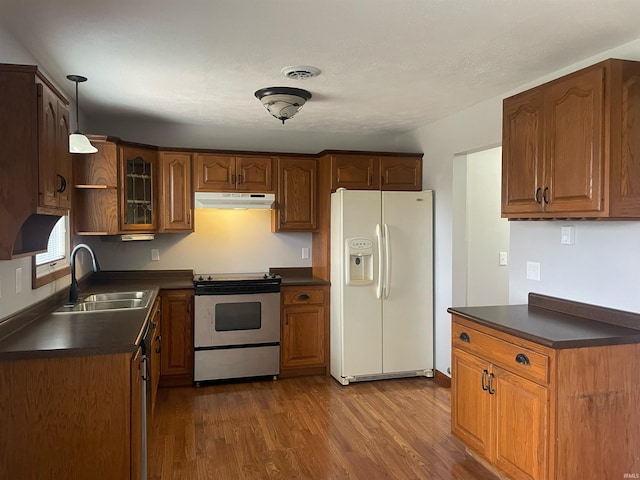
(380, 239)
(387, 261)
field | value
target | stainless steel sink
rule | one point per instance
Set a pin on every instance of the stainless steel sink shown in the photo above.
(105, 297)
(108, 301)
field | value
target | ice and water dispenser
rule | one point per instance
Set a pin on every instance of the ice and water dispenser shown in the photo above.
(359, 258)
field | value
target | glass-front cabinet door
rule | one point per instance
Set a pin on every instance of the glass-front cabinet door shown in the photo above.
(138, 208)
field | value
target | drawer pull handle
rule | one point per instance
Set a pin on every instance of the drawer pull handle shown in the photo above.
(303, 296)
(490, 384)
(484, 375)
(522, 359)
(464, 336)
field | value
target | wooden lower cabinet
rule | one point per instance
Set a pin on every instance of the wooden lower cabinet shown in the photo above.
(156, 349)
(71, 417)
(177, 338)
(537, 413)
(304, 324)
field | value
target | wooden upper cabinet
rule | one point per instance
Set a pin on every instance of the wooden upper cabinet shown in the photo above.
(176, 195)
(255, 174)
(53, 150)
(400, 173)
(358, 171)
(355, 172)
(95, 199)
(221, 173)
(296, 197)
(214, 173)
(34, 160)
(138, 195)
(522, 153)
(570, 146)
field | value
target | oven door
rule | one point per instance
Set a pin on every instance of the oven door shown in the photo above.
(238, 320)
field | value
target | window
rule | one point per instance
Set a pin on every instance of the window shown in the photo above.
(54, 263)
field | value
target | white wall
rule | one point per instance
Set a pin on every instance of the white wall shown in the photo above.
(224, 241)
(608, 249)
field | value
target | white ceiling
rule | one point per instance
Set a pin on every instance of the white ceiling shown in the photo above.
(387, 65)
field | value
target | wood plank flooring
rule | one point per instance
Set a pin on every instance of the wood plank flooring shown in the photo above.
(308, 428)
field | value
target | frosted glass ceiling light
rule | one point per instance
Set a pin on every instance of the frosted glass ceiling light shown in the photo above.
(282, 102)
(78, 143)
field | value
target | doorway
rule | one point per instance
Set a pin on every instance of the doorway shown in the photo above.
(480, 235)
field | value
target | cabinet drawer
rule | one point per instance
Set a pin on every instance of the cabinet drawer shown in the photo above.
(517, 359)
(303, 295)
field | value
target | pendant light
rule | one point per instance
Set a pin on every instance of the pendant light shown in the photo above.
(282, 102)
(78, 143)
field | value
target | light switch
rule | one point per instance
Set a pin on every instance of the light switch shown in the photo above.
(568, 235)
(18, 280)
(155, 254)
(503, 259)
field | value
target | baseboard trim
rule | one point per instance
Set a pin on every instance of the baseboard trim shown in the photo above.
(442, 379)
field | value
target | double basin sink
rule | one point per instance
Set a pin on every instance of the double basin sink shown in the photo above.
(108, 301)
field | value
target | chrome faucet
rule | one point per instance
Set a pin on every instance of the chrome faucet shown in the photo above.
(73, 291)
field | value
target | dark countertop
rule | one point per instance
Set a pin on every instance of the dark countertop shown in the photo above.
(95, 333)
(298, 276)
(555, 329)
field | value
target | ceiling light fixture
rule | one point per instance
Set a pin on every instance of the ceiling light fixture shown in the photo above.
(282, 102)
(78, 143)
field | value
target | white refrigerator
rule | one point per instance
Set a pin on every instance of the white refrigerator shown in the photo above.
(381, 285)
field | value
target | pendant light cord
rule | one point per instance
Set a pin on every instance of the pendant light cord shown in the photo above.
(77, 111)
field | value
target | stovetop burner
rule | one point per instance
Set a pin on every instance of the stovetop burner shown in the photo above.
(234, 277)
(236, 283)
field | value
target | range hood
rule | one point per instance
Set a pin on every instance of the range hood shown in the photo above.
(235, 200)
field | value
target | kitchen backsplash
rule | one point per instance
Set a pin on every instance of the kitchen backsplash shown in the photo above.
(223, 241)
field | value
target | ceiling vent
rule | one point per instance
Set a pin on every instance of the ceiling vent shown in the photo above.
(300, 72)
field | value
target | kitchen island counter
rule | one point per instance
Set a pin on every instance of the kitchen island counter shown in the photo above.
(557, 323)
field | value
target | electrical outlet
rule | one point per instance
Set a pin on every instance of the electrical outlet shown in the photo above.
(18, 280)
(305, 252)
(533, 271)
(155, 254)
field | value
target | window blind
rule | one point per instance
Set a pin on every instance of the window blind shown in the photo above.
(57, 246)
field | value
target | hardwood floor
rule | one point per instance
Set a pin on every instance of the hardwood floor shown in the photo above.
(308, 428)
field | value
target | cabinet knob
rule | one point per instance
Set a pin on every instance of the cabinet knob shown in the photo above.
(303, 296)
(537, 197)
(240, 180)
(484, 375)
(544, 195)
(158, 339)
(522, 359)
(233, 178)
(464, 336)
